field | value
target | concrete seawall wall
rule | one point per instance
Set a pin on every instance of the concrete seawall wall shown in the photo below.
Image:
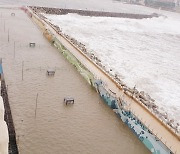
(135, 124)
(148, 138)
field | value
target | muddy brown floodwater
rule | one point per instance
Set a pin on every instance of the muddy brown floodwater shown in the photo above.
(88, 126)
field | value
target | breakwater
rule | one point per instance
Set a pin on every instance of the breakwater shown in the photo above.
(119, 104)
(58, 11)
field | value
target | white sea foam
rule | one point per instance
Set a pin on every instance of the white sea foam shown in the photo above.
(143, 52)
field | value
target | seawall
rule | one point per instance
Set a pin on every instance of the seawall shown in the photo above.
(156, 136)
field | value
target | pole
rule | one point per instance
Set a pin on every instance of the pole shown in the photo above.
(22, 68)
(36, 104)
(4, 25)
(8, 35)
(14, 48)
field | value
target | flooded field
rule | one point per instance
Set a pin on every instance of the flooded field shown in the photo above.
(88, 126)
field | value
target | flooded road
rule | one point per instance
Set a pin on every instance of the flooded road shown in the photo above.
(88, 126)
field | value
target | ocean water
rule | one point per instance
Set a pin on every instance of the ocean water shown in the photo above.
(144, 53)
